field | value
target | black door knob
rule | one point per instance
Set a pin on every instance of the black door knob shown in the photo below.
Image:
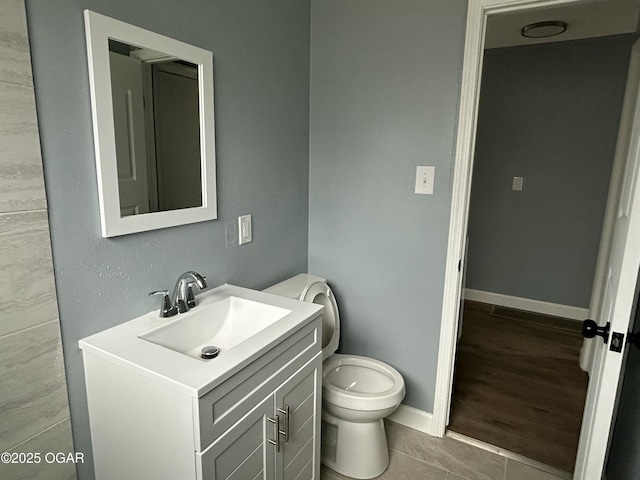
(590, 329)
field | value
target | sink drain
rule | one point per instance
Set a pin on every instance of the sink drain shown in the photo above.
(209, 352)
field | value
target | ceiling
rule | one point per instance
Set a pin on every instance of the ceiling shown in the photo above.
(590, 18)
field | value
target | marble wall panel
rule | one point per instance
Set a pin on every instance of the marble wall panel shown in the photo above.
(33, 396)
(34, 411)
(51, 441)
(15, 59)
(21, 177)
(26, 272)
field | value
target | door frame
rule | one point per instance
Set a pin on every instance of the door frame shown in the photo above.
(477, 14)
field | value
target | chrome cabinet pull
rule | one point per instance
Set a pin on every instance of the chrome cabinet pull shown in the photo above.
(285, 412)
(276, 442)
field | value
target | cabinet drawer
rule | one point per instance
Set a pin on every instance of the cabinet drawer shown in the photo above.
(226, 404)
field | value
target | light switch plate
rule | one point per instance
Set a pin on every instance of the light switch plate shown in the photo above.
(245, 229)
(425, 178)
(517, 184)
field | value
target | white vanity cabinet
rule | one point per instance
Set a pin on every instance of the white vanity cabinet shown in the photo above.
(275, 440)
(260, 421)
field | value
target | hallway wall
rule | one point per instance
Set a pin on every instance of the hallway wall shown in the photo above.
(548, 113)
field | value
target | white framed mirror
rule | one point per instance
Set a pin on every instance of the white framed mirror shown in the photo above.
(153, 127)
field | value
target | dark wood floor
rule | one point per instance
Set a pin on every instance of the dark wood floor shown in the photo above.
(518, 384)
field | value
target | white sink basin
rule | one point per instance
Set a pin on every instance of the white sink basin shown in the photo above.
(223, 324)
(243, 323)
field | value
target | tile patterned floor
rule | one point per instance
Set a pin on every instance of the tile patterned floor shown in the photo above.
(417, 456)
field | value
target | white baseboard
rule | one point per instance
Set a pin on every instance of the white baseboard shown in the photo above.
(413, 418)
(537, 306)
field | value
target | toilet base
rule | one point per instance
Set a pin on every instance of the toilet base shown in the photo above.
(357, 450)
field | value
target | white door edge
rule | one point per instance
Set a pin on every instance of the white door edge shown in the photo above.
(615, 187)
(618, 304)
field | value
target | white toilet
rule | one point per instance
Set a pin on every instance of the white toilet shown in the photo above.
(357, 392)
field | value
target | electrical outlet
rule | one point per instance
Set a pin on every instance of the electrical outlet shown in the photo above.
(245, 233)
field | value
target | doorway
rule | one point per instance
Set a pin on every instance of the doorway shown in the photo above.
(466, 143)
(548, 118)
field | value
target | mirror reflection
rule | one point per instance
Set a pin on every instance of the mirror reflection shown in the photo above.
(157, 130)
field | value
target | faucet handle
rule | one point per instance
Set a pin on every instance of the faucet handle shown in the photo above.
(200, 282)
(167, 309)
(191, 299)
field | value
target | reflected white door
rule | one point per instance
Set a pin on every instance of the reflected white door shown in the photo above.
(129, 126)
(177, 136)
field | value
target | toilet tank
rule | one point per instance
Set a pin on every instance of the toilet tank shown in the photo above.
(293, 287)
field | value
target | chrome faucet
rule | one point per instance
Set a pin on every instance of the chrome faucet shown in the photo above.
(182, 298)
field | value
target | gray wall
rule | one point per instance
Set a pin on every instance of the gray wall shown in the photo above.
(385, 81)
(34, 410)
(261, 68)
(548, 113)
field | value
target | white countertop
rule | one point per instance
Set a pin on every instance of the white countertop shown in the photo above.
(195, 377)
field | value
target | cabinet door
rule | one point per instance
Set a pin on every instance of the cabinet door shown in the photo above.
(298, 405)
(243, 452)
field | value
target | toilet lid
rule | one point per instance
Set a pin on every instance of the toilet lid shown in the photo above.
(318, 292)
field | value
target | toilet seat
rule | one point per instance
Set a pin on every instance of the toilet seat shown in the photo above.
(361, 383)
(318, 292)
